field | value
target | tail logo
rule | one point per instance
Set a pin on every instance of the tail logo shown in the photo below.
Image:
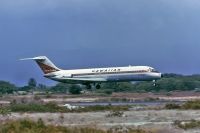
(46, 69)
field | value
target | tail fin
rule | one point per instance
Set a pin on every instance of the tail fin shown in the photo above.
(45, 64)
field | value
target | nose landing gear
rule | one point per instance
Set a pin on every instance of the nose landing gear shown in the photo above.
(154, 83)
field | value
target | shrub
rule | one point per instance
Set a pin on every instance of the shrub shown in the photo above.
(75, 89)
(191, 105)
(103, 108)
(172, 106)
(4, 111)
(115, 114)
(188, 124)
(108, 92)
(188, 105)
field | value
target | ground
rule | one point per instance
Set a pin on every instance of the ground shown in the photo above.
(145, 117)
(152, 119)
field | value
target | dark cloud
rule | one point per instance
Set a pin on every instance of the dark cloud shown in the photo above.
(93, 33)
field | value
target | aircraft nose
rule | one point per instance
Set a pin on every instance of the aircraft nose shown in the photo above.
(160, 75)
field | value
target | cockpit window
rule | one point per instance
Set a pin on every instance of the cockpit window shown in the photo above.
(153, 70)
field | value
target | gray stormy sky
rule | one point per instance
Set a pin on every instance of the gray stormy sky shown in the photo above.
(164, 34)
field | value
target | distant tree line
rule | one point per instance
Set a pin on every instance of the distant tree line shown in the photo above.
(6, 87)
(169, 82)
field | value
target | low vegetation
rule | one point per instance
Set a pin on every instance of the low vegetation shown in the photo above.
(187, 124)
(104, 108)
(5, 111)
(28, 126)
(191, 105)
(172, 106)
(115, 114)
(187, 105)
(52, 107)
(49, 107)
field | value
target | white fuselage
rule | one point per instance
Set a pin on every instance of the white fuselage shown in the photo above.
(111, 74)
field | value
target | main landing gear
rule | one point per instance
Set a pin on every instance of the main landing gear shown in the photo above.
(89, 86)
(98, 86)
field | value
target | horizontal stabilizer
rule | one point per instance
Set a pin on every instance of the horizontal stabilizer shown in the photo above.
(35, 58)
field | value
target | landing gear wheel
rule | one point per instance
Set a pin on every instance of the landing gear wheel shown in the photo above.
(154, 83)
(98, 86)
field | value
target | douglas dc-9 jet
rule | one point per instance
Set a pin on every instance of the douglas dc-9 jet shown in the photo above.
(96, 76)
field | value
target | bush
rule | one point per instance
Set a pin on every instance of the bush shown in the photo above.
(115, 114)
(188, 124)
(102, 108)
(191, 105)
(75, 89)
(4, 111)
(109, 92)
(172, 106)
(60, 88)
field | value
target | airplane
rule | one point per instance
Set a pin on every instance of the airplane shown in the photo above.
(96, 76)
